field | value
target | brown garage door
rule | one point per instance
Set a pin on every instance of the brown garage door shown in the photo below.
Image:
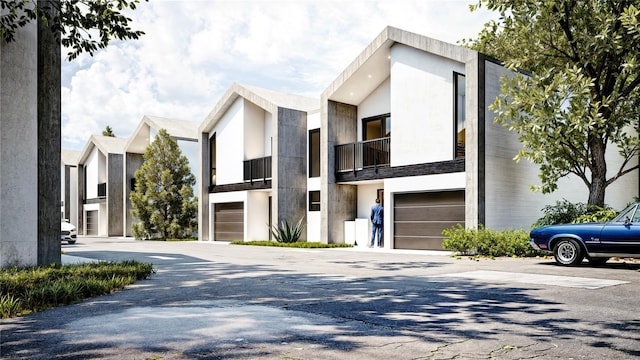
(229, 221)
(419, 218)
(92, 222)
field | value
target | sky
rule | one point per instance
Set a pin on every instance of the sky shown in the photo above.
(194, 50)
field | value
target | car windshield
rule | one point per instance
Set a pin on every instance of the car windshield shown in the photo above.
(628, 213)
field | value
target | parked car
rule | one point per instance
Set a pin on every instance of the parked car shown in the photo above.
(598, 242)
(68, 232)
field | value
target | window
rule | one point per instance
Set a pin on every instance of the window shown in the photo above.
(459, 115)
(212, 159)
(314, 153)
(314, 200)
(376, 127)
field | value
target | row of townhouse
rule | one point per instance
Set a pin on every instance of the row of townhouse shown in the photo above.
(407, 122)
(96, 181)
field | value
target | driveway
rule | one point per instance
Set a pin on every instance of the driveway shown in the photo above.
(219, 301)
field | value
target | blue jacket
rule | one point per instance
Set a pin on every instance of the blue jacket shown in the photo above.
(377, 214)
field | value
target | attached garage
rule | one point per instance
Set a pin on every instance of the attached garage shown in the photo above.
(229, 221)
(419, 218)
(92, 222)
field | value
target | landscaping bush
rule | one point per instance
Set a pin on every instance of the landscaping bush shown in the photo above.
(485, 242)
(565, 212)
(26, 290)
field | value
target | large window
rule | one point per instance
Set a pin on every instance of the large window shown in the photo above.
(376, 127)
(459, 115)
(314, 153)
(212, 159)
(314, 200)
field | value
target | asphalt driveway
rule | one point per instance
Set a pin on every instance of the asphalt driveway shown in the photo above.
(217, 301)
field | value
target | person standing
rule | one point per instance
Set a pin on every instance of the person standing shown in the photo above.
(377, 216)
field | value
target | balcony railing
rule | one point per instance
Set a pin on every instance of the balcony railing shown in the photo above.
(363, 154)
(257, 169)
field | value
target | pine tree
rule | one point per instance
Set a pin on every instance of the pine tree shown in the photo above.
(108, 131)
(163, 198)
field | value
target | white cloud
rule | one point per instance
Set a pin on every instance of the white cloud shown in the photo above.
(193, 51)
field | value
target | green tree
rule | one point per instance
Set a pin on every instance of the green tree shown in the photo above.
(163, 196)
(108, 131)
(80, 25)
(581, 92)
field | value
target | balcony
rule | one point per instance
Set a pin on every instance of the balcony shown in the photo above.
(257, 169)
(362, 155)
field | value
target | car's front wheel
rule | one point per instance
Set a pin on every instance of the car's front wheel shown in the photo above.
(568, 252)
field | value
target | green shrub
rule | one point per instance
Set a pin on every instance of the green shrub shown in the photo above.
(285, 233)
(10, 306)
(565, 212)
(485, 242)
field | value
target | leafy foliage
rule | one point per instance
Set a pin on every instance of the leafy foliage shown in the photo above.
(298, 244)
(82, 25)
(485, 242)
(566, 212)
(108, 131)
(582, 90)
(163, 199)
(285, 233)
(26, 290)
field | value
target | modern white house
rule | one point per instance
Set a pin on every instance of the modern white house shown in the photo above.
(69, 185)
(100, 187)
(408, 122)
(254, 170)
(184, 132)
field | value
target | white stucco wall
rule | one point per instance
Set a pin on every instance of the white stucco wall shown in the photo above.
(509, 201)
(256, 208)
(313, 184)
(376, 103)
(92, 171)
(254, 131)
(229, 145)
(421, 106)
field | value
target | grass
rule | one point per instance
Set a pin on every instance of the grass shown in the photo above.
(31, 289)
(299, 244)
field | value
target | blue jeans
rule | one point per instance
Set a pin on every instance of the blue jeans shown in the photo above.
(376, 228)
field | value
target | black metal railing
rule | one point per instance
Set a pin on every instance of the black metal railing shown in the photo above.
(257, 169)
(363, 154)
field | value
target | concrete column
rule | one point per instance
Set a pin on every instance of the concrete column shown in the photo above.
(19, 150)
(203, 187)
(115, 188)
(132, 163)
(338, 203)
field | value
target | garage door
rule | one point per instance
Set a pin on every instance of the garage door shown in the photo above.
(229, 221)
(92, 222)
(419, 218)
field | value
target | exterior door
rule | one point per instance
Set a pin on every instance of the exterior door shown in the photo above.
(419, 218)
(229, 221)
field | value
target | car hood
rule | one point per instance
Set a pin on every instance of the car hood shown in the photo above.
(65, 226)
(566, 227)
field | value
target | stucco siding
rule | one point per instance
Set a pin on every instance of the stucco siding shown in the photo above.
(229, 147)
(421, 106)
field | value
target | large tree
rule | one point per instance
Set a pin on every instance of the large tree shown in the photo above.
(163, 199)
(81, 26)
(576, 91)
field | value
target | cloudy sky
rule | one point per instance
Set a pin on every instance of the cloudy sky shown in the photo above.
(194, 50)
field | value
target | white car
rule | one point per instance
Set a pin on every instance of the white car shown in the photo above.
(68, 232)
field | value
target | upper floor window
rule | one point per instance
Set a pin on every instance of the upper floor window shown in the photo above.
(376, 127)
(459, 114)
(212, 159)
(314, 153)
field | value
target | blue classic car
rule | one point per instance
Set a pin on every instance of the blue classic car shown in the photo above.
(571, 243)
